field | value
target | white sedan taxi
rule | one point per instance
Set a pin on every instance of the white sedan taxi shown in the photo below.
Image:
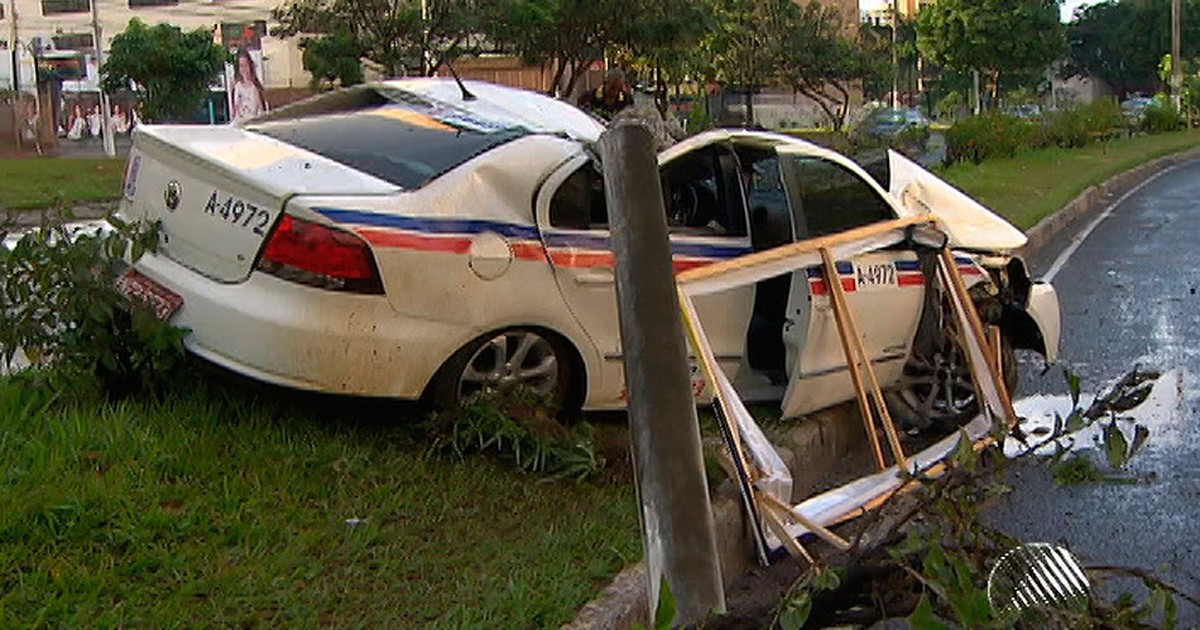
(412, 239)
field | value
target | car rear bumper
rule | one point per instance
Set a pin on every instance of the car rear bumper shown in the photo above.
(298, 336)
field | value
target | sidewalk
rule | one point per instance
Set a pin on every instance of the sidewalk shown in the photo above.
(89, 148)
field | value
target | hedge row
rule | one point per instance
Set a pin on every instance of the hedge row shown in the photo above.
(994, 135)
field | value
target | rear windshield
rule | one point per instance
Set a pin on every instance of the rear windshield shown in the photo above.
(391, 134)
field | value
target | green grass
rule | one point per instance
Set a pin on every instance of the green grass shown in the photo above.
(1029, 187)
(215, 508)
(37, 183)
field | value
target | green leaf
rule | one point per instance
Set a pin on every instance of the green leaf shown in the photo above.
(923, 617)
(1116, 448)
(1073, 386)
(1140, 435)
(795, 611)
(964, 456)
(664, 615)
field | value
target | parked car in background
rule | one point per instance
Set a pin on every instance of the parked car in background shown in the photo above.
(397, 239)
(887, 124)
(1135, 108)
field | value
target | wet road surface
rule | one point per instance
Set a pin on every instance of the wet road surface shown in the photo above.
(1129, 297)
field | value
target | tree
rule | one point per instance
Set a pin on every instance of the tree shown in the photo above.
(664, 39)
(993, 37)
(814, 58)
(570, 34)
(173, 67)
(334, 60)
(1121, 43)
(740, 46)
(390, 32)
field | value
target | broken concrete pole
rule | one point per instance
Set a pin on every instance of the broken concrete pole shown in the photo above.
(677, 521)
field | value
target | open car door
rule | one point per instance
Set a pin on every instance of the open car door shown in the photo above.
(827, 195)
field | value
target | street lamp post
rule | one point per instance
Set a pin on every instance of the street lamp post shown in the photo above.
(110, 148)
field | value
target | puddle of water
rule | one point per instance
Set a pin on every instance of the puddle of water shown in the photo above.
(1160, 412)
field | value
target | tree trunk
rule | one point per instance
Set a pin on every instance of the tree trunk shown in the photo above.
(558, 75)
(576, 66)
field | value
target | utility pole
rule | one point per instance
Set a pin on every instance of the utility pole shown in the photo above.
(425, 56)
(895, 55)
(679, 533)
(16, 72)
(110, 148)
(1177, 53)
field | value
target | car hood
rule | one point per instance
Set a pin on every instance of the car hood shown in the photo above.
(967, 223)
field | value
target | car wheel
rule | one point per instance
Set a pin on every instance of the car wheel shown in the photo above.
(936, 391)
(512, 361)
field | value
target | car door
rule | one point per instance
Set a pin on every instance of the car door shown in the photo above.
(706, 222)
(883, 288)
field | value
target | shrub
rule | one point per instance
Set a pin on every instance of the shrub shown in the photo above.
(1162, 117)
(520, 428)
(987, 136)
(59, 305)
(950, 105)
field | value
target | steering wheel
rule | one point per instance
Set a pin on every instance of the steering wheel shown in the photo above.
(685, 205)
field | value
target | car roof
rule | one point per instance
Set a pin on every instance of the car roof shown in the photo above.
(534, 111)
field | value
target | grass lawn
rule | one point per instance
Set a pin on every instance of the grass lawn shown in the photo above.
(36, 183)
(216, 508)
(1027, 188)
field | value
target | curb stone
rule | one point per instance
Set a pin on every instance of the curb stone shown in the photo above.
(624, 602)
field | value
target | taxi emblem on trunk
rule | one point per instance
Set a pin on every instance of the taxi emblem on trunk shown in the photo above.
(172, 195)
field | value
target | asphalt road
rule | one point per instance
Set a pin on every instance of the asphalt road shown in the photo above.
(1130, 295)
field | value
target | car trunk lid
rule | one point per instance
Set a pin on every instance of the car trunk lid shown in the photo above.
(217, 192)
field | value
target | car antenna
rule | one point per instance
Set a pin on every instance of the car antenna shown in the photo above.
(466, 94)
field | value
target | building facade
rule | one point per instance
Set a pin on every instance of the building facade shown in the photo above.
(58, 25)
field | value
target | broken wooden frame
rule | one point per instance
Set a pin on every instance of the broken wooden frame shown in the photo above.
(764, 481)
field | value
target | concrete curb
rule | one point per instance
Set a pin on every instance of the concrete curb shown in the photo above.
(824, 440)
(1095, 198)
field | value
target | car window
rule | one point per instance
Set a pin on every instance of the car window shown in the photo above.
(391, 134)
(701, 197)
(579, 203)
(766, 198)
(703, 194)
(827, 197)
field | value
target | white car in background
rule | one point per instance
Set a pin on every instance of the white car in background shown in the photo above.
(406, 239)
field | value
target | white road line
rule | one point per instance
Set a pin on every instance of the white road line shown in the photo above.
(1066, 254)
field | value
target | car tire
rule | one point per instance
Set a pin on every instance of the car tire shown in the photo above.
(547, 366)
(921, 402)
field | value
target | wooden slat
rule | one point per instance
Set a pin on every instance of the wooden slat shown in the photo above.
(819, 530)
(956, 284)
(800, 247)
(845, 333)
(885, 418)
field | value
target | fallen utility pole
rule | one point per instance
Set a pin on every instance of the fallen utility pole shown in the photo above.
(679, 534)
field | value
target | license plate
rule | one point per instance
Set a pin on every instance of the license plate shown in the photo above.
(138, 288)
(239, 213)
(875, 275)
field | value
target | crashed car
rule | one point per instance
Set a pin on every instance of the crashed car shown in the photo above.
(422, 238)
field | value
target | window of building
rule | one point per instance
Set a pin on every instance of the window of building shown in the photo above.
(134, 4)
(831, 197)
(73, 41)
(53, 7)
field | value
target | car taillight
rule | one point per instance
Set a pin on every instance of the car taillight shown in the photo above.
(319, 256)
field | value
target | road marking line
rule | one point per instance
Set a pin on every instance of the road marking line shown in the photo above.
(1066, 254)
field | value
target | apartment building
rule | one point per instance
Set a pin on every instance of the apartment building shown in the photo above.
(59, 25)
